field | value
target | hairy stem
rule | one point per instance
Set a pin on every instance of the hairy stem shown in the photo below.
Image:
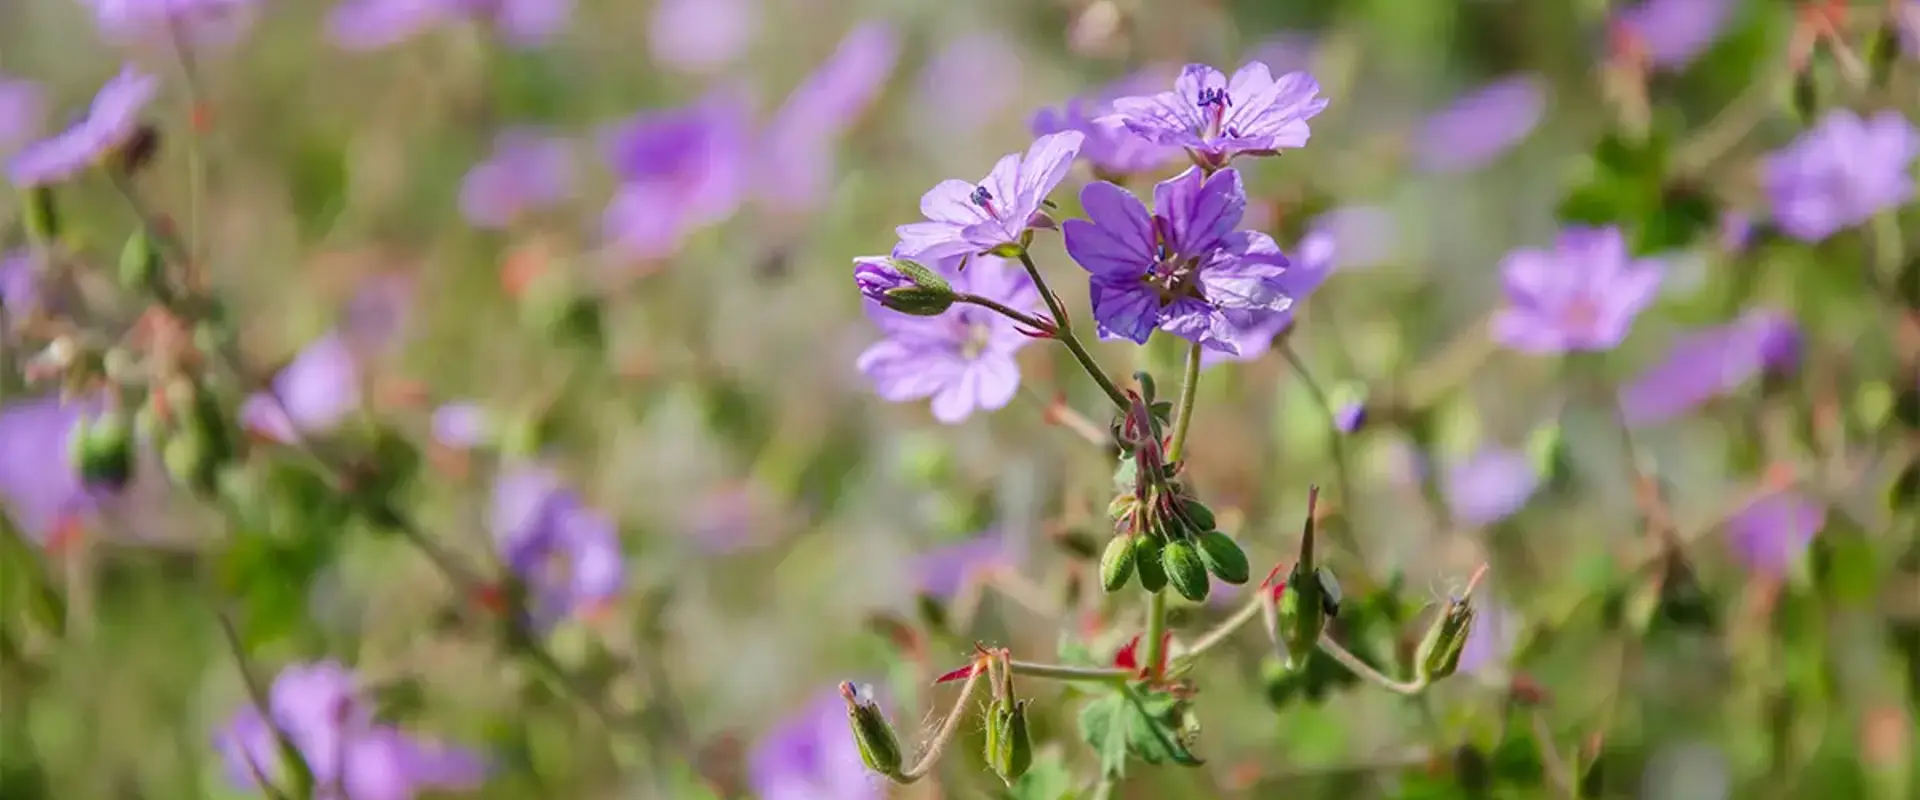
(944, 736)
(1022, 317)
(1360, 669)
(1226, 628)
(1183, 413)
(1063, 330)
(1156, 631)
(1062, 672)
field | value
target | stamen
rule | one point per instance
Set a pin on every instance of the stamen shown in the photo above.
(984, 199)
(1219, 101)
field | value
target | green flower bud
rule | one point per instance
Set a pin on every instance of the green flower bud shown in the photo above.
(102, 449)
(1116, 564)
(191, 460)
(904, 286)
(1223, 557)
(1147, 561)
(140, 263)
(41, 215)
(1009, 743)
(1303, 617)
(1199, 514)
(1439, 653)
(879, 747)
(1185, 570)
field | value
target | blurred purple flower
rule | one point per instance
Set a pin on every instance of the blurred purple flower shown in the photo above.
(312, 394)
(1183, 269)
(962, 359)
(19, 286)
(1771, 534)
(23, 108)
(943, 570)
(566, 553)
(526, 171)
(112, 119)
(1109, 146)
(194, 21)
(1361, 236)
(1670, 34)
(964, 218)
(1489, 486)
(1491, 640)
(1581, 295)
(319, 708)
(701, 36)
(1350, 416)
(1736, 231)
(969, 80)
(1841, 172)
(1288, 51)
(797, 148)
(1907, 24)
(681, 170)
(378, 24)
(1708, 363)
(812, 756)
(1253, 333)
(40, 486)
(462, 425)
(1480, 125)
(1217, 118)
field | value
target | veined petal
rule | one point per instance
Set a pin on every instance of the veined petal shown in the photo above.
(1124, 309)
(1200, 210)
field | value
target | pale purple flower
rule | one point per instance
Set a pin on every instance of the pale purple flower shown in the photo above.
(1709, 363)
(681, 170)
(1841, 173)
(462, 425)
(194, 21)
(19, 286)
(1109, 146)
(1490, 642)
(1480, 126)
(1183, 268)
(970, 79)
(874, 276)
(1253, 333)
(323, 713)
(1582, 294)
(1489, 486)
(565, 552)
(1348, 417)
(1670, 34)
(797, 148)
(942, 571)
(811, 755)
(378, 24)
(40, 486)
(1216, 118)
(701, 36)
(962, 359)
(526, 171)
(965, 218)
(23, 108)
(112, 119)
(315, 392)
(1771, 534)
(1362, 236)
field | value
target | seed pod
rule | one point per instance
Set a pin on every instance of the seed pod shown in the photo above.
(1223, 557)
(140, 264)
(1439, 653)
(1009, 743)
(1116, 564)
(879, 747)
(1146, 559)
(1199, 514)
(1185, 570)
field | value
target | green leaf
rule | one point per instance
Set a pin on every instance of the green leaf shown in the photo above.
(1048, 779)
(1139, 723)
(1103, 726)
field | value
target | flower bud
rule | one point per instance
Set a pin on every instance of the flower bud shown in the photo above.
(1185, 570)
(140, 264)
(102, 449)
(41, 215)
(1439, 653)
(1199, 514)
(191, 461)
(871, 731)
(904, 286)
(1116, 564)
(1009, 743)
(1147, 560)
(1223, 557)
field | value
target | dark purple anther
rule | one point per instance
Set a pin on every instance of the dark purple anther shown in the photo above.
(1219, 97)
(984, 199)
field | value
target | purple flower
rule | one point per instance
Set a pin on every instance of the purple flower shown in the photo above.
(1253, 333)
(1109, 146)
(681, 170)
(1708, 363)
(19, 286)
(1480, 126)
(315, 392)
(964, 219)
(797, 148)
(1581, 295)
(566, 553)
(378, 24)
(1490, 642)
(1670, 34)
(875, 277)
(1349, 416)
(112, 119)
(195, 21)
(22, 109)
(972, 78)
(962, 359)
(1288, 51)
(526, 171)
(40, 486)
(1489, 486)
(700, 36)
(942, 571)
(462, 425)
(1217, 118)
(1841, 173)
(1184, 270)
(1772, 533)
(812, 756)
(319, 708)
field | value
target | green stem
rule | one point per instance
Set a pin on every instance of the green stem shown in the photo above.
(1062, 672)
(1156, 630)
(1004, 310)
(257, 695)
(1220, 633)
(1360, 669)
(1063, 330)
(1342, 472)
(945, 735)
(1183, 413)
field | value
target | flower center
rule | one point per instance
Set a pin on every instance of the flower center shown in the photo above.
(1214, 104)
(1581, 314)
(1172, 274)
(974, 337)
(984, 199)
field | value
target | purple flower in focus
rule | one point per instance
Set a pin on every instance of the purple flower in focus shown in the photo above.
(564, 552)
(321, 711)
(1489, 486)
(1771, 534)
(1841, 172)
(965, 219)
(1670, 34)
(195, 21)
(378, 24)
(526, 171)
(112, 119)
(1109, 146)
(22, 109)
(1253, 333)
(797, 148)
(962, 359)
(681, 170)
(1581, 295)
(1183, 269)
(942, 571)
(40, 486)
(1480, 126)
(1708, 363)
(1217, 118)
(812, 756)
(700, 36)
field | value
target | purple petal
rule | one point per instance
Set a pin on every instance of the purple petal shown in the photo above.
(701, 36)
(1772, 534)
(1117, 239)
(1672, 33)
(1125, 309)
(1481, 125)
(1489, 486)
(1200, 210)
(112, 119)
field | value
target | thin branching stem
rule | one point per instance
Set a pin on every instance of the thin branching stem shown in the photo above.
(944, 735)
(1063, 330)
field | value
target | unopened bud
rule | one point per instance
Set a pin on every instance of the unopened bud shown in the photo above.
(1009, 744)
(1116, 564)
(879, 747)
(1185, 571)
(1199, 514)
(1147, 549)
(41, 215)
(1223, 557)
(102, 449)
(190, 458)
(904, 286)
(140, 263)
(1439, 653)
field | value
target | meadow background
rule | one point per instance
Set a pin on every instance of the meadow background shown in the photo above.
(1655, 621)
